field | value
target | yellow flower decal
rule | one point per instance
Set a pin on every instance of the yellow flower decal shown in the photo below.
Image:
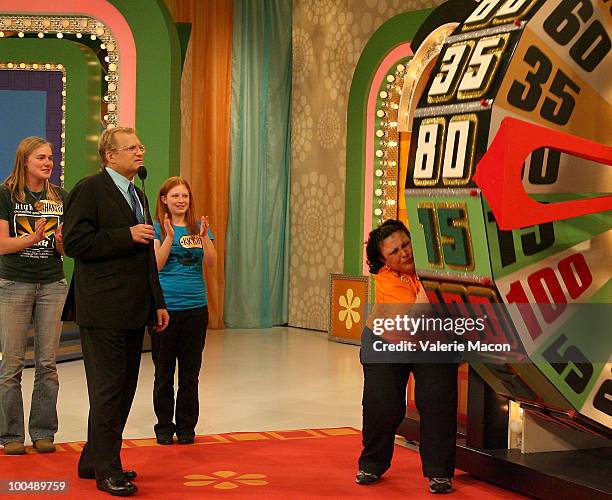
(348, 303)
(225, 480)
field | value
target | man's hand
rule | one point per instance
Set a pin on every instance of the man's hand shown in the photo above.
(58, 233)
(59, 242)
(142, 233)
(163, 318)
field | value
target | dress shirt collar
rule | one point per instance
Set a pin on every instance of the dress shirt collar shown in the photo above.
(123, 183)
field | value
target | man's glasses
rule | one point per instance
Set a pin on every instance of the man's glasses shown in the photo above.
(133, 148)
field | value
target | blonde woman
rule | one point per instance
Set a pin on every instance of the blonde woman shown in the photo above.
(183, 247)
(32, 291)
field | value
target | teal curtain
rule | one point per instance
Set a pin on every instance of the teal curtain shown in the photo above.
(257, 240)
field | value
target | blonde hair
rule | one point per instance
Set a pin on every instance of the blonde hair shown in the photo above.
(107, 142)
(162, 210)
(16, 182)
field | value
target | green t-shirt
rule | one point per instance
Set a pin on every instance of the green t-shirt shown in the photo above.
(40, 263)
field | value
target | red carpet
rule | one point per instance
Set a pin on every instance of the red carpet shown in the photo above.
(310, 463)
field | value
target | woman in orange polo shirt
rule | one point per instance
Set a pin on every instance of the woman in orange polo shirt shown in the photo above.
(389, 254)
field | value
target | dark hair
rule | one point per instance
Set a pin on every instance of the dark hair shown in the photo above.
(375, 259)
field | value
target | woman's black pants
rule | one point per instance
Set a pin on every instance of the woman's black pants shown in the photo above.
(384, 408)
(182, 341)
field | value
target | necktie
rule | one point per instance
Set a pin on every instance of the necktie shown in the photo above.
(135, 204)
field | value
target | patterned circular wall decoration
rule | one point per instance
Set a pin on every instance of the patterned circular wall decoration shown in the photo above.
(301, 129)
(339, 58)
(328, 128)
(315, 232)
(309, 305)
(303, 55)
(319, 11)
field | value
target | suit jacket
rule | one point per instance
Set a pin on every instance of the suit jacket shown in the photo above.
(115, 282)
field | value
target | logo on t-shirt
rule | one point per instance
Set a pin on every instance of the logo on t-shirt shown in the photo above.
(26, 224)
(191, 241)
(48, 207)
(25, 217)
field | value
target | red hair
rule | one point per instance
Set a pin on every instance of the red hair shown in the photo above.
(162, 209)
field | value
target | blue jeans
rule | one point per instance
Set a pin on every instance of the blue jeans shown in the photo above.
(23, 305)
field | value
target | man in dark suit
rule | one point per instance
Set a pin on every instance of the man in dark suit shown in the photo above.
(116, 292)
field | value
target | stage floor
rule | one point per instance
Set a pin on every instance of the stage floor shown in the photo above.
(251, 380)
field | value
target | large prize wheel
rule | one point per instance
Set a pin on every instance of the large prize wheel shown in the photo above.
(507, 194)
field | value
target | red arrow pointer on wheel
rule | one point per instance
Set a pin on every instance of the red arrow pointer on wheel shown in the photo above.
(498, 174)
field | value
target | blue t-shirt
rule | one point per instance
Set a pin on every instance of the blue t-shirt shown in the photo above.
(181, 278)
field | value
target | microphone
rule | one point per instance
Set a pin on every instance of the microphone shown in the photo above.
(142, 175)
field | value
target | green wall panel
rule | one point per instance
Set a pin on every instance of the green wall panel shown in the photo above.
(394, 32)
(158, 78)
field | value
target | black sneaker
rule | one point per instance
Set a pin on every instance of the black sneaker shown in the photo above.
(440, 485)
(364, 477)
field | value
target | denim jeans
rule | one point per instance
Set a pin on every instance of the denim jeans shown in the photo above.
(23, 305)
